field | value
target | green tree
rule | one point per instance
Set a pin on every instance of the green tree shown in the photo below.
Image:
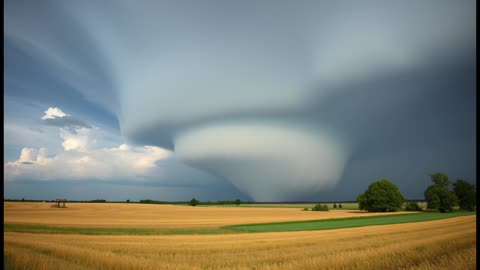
(334, 205)
(381, 196)
(466, 194)
(340, 205)
(238, 202)
(438, 195)
(193, 202)
(128, 201)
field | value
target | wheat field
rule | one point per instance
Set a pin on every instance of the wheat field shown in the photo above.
(155, 215)
(441, 244)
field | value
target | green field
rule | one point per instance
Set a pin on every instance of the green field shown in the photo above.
(328, 224)
(37, 228)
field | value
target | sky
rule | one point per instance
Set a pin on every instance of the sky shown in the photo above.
(218, 100)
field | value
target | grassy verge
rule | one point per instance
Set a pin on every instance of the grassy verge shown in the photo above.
(324, 224)
(37, 228)
(339, 223)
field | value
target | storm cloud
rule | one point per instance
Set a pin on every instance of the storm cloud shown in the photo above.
(285, 100)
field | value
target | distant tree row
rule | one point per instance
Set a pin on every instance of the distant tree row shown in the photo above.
(148, 201)
(98, 201)
(194, 202)
(322, 207)
(384, 196)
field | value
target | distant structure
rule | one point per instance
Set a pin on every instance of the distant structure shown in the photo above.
(59, 203)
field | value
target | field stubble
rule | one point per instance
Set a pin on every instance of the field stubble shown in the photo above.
(440, 244)
(158, 216)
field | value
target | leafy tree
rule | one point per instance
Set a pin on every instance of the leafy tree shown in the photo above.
(193, 202)
(334, 205)
(466, 194)
(413, 206)
(340, 205)
(128, 201)
(381, 196)
(238, 202)
(438, 195)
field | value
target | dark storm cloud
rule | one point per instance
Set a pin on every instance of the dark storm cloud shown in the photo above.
(427, 123)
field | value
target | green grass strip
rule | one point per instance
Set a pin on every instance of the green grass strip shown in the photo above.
(37, 228)
(339, 223)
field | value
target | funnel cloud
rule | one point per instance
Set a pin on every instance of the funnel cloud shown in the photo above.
(266, 161)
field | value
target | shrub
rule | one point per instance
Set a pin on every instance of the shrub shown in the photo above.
(340, 205)
(381, 196)
(193, 202)
(334, 205)
(413, 206)
(320, 207)
(305, 209)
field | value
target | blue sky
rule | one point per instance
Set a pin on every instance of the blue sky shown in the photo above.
(258, 100)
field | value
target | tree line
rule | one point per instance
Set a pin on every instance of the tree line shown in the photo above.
(442, 195)
(194, 202)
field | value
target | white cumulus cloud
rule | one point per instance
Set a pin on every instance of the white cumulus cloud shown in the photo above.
(79, 139)
(95, 164)
(53, 112)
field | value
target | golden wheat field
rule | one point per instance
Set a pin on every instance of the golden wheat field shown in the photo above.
(441, 244)
(155, 215)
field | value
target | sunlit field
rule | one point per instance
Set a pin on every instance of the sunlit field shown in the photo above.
(148, 215)
(439, 244)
